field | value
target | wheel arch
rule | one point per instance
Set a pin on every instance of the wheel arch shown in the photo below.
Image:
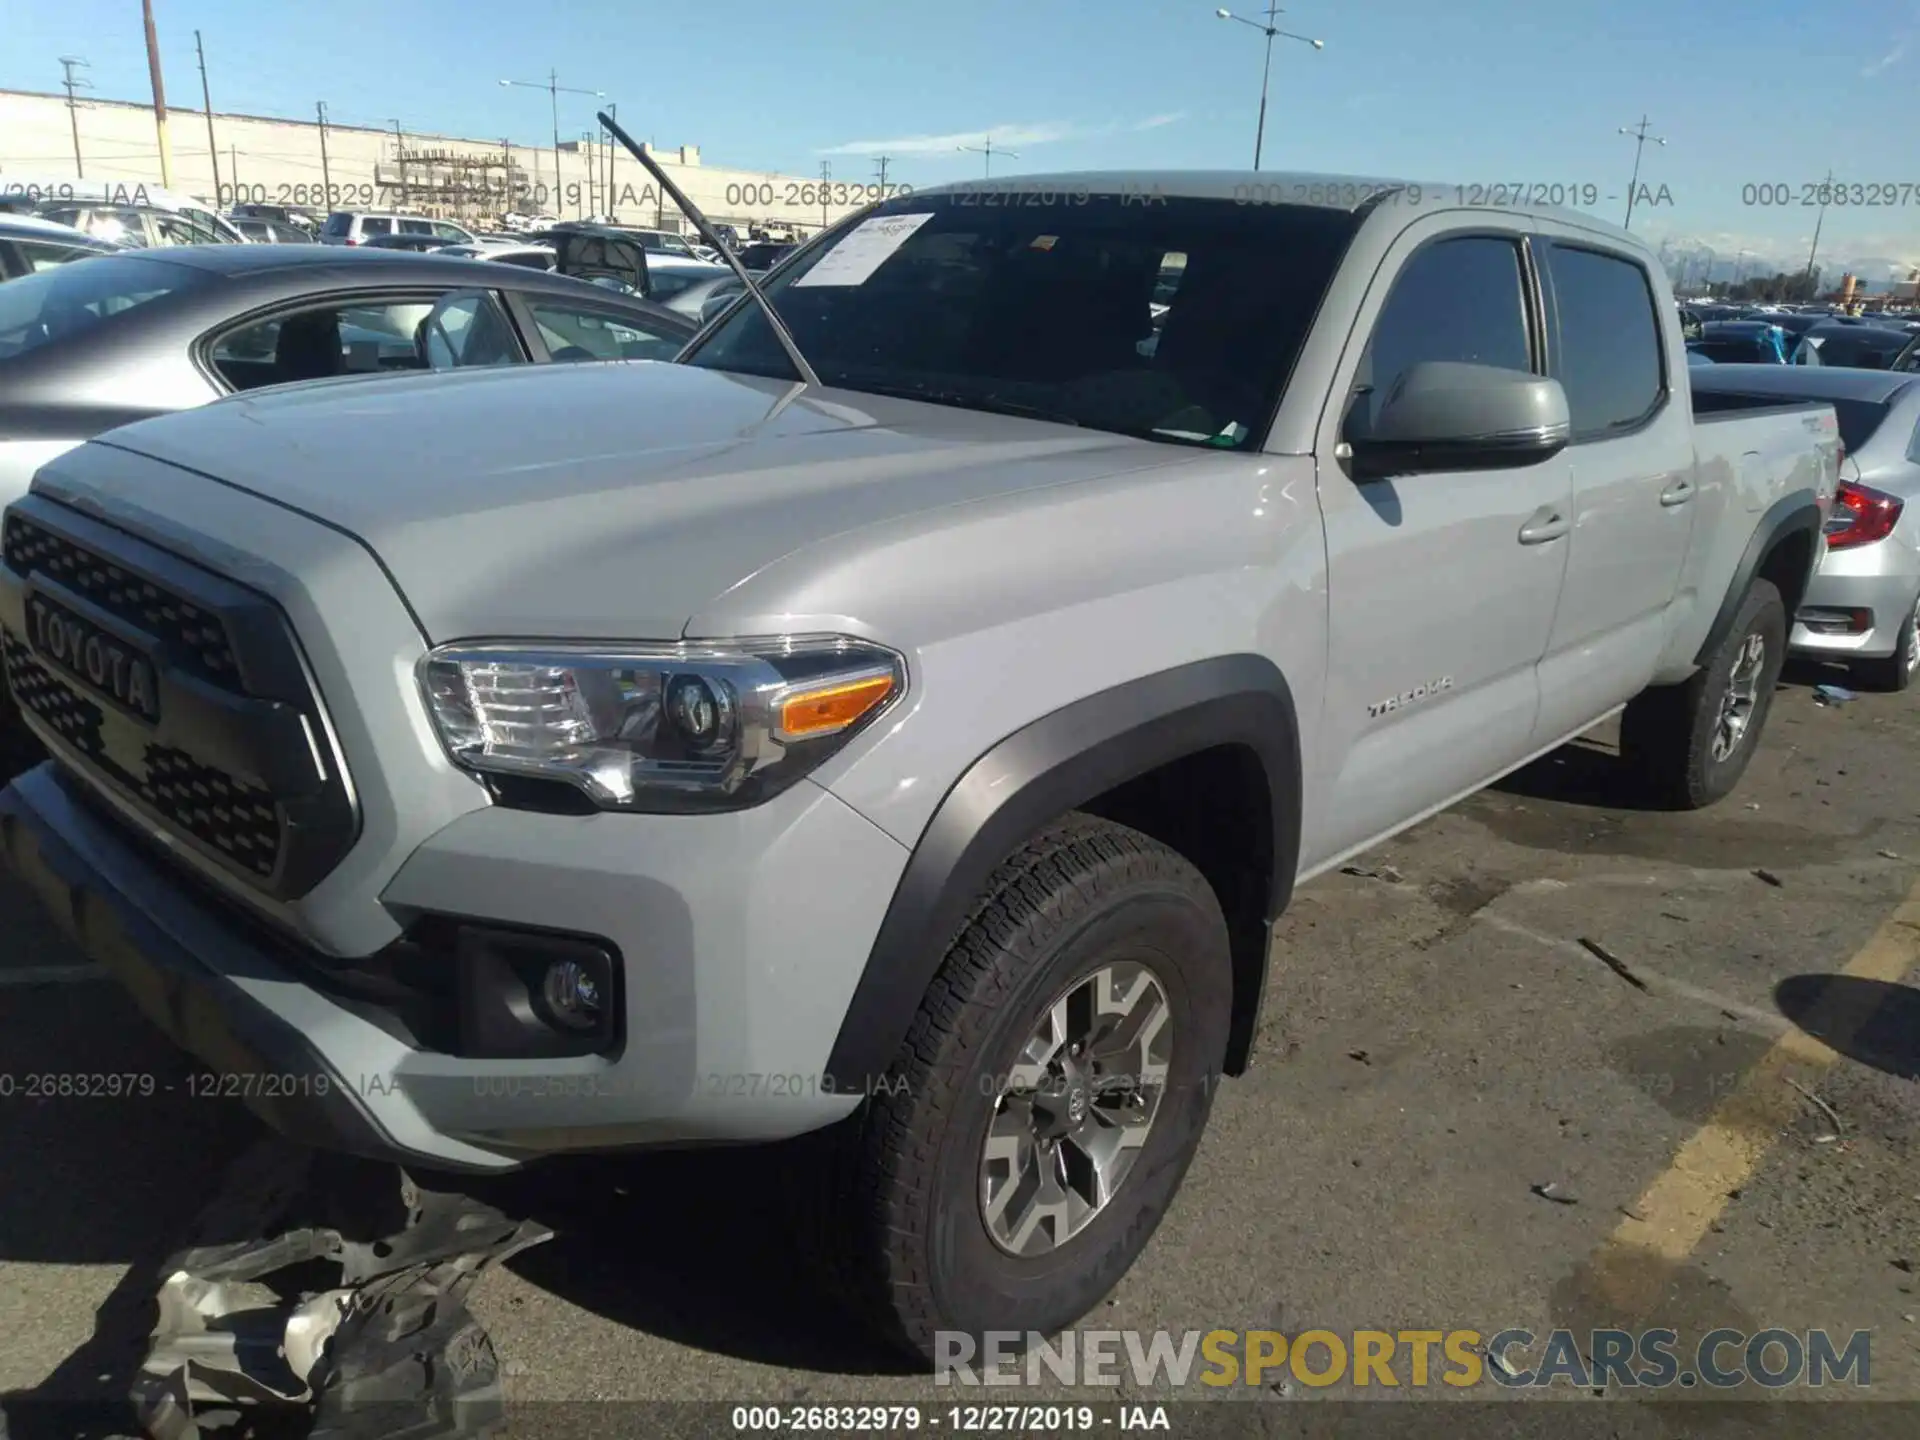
(1784, 549)
(1204, 757)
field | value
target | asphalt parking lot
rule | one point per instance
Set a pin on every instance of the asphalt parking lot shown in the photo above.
(1534, 989)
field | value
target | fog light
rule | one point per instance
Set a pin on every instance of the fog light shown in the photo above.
(572, 995)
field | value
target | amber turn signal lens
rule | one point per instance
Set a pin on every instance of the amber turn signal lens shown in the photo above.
(821, 712)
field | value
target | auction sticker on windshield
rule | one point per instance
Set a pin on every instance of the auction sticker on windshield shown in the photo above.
(864, 250)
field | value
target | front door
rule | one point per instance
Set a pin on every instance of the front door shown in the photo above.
(1441, 586)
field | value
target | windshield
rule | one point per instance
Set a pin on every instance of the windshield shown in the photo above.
(1053, 310)
(39, 309)
(1865, 350)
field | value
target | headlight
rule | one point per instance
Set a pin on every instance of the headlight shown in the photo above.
(709, 725)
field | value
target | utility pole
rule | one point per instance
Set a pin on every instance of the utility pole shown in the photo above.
(206, 99)
(400, 153)
(326, 171)
(1640, 139)
(606, 137)
(1826, 194)
(988, 151)
(233, 168)
(159, 98)
(880, 168)
(826, 174)
(73, 115)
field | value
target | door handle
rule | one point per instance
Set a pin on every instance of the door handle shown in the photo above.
(1547, 524)
(1677, 493)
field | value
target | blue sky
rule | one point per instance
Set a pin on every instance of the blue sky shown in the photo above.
(1473, 91)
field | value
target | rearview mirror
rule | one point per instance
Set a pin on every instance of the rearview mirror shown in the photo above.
(1450, 415)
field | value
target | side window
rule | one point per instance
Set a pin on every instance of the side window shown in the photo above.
(40, 255)
(572, 332)
(375, 225)
(1608, 353)
(367, 339)
(173, 229)
(1463, 300)
(416, 227)
(448, 232)
(201, 226)
(467, 329)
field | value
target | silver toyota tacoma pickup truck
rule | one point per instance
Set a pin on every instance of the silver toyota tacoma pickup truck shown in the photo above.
(502, 763)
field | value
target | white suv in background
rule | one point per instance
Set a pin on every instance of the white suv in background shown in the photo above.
(356, 227)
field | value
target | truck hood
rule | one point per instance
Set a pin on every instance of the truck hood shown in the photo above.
(607, 500)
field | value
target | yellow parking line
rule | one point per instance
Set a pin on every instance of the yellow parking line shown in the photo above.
(1677, 1210)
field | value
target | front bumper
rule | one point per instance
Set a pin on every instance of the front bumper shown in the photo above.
(742, 937)
(1873, 588)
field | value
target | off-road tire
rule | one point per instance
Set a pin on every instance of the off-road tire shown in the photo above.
(898, 1223)
(1889, 673)
(1666, 734)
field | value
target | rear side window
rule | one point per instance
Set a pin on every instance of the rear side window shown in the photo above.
(1457, 300)
(51, 305)
(375, 225)
(1608, 354)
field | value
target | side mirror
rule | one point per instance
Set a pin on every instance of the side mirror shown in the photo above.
(594, 256)
(1450, 415)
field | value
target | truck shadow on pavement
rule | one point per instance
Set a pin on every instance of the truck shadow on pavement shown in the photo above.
(691, 1247)
(1871, 1021)
(698, 1247)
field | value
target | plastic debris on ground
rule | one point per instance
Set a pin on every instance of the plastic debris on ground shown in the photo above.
(326, 1295)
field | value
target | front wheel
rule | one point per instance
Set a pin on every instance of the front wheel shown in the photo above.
(1049, 1098)
(1693, 741)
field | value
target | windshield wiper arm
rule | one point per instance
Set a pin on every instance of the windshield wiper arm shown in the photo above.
(692, 212)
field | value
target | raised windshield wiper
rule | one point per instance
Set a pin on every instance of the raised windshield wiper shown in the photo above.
(692, 212)
(970, 401)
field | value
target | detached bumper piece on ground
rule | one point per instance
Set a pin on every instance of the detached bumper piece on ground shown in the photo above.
(324, 1296)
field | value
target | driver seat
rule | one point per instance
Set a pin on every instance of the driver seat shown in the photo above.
(308, 347)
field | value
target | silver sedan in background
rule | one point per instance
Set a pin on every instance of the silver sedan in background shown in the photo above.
(1863, 606)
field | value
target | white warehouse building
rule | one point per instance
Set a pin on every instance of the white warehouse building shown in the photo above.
(356, 167)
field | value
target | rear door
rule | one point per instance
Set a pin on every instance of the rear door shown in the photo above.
(1633, 479)
(1442, 586)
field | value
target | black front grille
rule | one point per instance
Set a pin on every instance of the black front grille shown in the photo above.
(238, 762)
(197, 641)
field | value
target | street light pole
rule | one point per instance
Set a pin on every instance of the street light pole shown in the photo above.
(1640, 138)
(1271, 31)
(554, 89)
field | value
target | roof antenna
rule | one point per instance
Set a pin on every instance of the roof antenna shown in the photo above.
(692, 212)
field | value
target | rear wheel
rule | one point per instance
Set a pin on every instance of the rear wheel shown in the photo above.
(1693, 741)
(1051, 1093)
(1895, 671)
